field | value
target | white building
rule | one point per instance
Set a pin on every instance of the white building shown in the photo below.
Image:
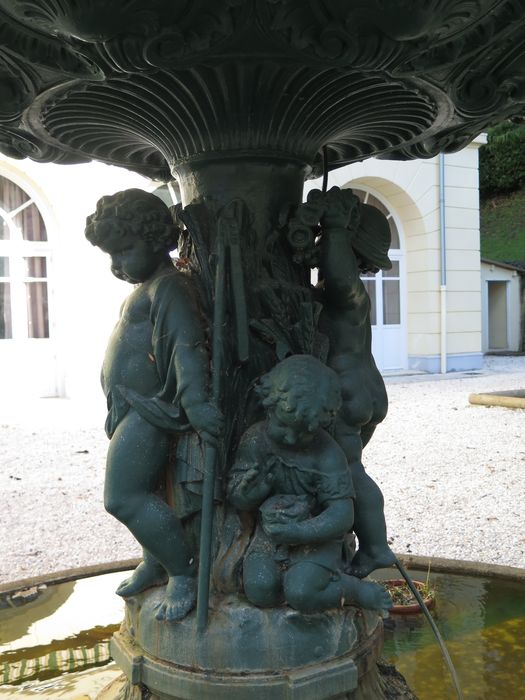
(58, 300)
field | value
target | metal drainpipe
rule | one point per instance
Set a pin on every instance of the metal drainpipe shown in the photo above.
(443, 250)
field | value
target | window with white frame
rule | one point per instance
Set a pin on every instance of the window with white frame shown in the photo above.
(24, 262)
(384, 287)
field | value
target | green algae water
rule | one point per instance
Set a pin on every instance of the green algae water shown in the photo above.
(57, 646)
(483, 623)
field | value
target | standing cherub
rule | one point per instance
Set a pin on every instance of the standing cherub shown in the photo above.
(293, 471)
(355, 239)
(155, 376)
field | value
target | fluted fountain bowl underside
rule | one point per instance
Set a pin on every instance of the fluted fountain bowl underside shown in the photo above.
(151, 84)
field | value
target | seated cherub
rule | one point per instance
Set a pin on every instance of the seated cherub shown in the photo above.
(292, 470)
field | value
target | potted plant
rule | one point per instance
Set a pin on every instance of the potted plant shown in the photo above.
(403, 598)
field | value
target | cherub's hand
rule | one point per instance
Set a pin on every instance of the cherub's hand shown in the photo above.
(255, 484)
(284, 534)
(340, 210)
(207, 420)
(309, 213)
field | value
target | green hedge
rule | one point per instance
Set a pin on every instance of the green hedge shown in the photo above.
(502, 160)
(502, 228)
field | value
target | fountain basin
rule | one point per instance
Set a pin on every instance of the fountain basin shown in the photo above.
(480, 610)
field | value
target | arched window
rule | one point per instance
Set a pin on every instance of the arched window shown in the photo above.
(24, 262)
(384, 288)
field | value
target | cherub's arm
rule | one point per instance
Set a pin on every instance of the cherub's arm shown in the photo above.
(179, 346)
(331, 524)
(343, 288)
(248, 490)
(250, 481)
(335, 493)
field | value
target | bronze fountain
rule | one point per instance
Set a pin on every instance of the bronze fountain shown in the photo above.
(240, 397)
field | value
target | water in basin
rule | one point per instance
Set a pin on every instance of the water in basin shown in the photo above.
(483, 623)
(57, 647)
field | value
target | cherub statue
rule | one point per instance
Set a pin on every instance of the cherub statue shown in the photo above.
(355, 239)
(155, 376)
(294, 472)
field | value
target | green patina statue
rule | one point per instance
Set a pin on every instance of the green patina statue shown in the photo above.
(155, 376)
(355, 240)
(294, 472)
(240, 101)
(247, 517)
(352, 239)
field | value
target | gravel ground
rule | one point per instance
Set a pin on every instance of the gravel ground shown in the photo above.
(452, 475)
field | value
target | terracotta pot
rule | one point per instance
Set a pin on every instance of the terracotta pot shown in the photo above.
(412, 608)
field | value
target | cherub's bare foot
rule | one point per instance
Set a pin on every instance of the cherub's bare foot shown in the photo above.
(146, 575)
(179, 599)
(366, 561)
(370, 595)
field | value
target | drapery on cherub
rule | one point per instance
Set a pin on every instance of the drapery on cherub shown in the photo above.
(294, 472)
(155, 377)
(355, 239)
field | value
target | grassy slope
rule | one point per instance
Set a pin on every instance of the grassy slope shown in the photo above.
(503, 228)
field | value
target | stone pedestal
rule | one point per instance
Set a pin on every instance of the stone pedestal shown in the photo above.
(247, 652)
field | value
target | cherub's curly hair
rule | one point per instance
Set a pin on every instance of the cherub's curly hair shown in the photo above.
(136, 213)
(304, 386)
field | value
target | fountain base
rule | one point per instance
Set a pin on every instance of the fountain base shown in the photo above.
(275, 654)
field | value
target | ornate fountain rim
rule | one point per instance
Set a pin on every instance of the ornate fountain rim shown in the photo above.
(149, 85)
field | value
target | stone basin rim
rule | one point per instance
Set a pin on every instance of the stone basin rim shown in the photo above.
(459, 567)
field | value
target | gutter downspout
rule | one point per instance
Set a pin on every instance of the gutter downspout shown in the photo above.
(443, 251)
